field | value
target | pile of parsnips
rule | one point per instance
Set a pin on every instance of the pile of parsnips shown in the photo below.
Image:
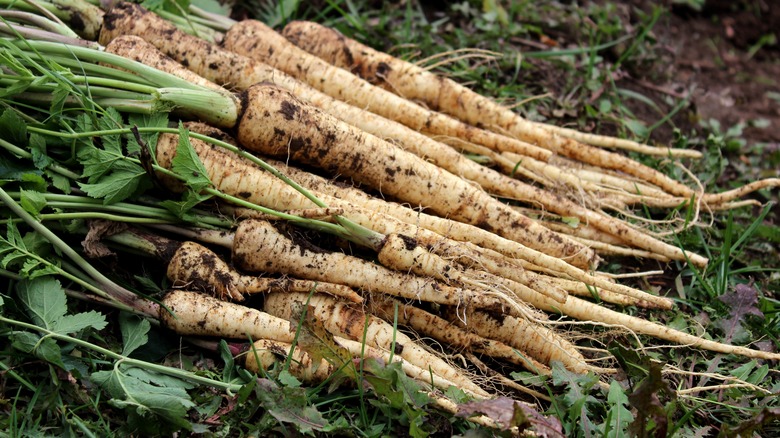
(449, 260)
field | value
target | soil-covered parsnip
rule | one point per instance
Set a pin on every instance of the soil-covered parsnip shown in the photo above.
(436, 327)
(195, 267)
(265, 353)
(193, 313)
(455, 163)
(285, 127)
(533, 338)
(239, 177)
(259, 247)
(342, 319)
(256, 40)
(448, 96)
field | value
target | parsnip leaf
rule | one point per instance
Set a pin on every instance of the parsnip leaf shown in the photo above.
(59, 96)
(155, 120)
(44, 300)
(12, 127)
(26, 254)
(189, 201)
(619, 416)
(110, 176)
(134, 332)
(109, 121)
(37, 145)
(117, 186)
(32, 202)
(46, 349)
(60, 182)
(291, 405)
(577, 400)
(187, 163)
(143, 393)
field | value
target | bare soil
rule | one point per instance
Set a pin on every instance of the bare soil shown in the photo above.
(724, 52)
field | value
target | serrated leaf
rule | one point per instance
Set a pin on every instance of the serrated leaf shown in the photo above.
(37, 244)
(37, 145)
(15, 170)
(111, 120)
(742, 302)
(288, 380)
(390, 380)
(181, 208)
(619, 416)
(32, 202)
(44, 301)
(34, 181)
(13, 128)
(32, 343)
(577, 398)
(24, 341)
(83, 124)
(32, 269)
(48, 350)
(187, 164)
(60, 182)
(134, 332)
(97, 163)
(117, 186)
(59, 96)
(156, 120)
(141, 397)
(158, 379)
(80, 321)
(290, 405)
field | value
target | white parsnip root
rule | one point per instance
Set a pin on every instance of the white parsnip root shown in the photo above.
(344, 320)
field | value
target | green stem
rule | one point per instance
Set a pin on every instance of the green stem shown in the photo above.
(42, 35)
(158, 78)
(89, 69)
(60, 271)
(175, 372)
(96, 215)
(350, 230)
(212, 20)
(191, 25)
(21, 153)
(216, 109)
(16, 376)
(125, 105)
(96, 87)
(76, 202)
(38, 21)
(114, 291)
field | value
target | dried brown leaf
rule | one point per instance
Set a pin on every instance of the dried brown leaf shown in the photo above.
(511, 413)
(742, 301)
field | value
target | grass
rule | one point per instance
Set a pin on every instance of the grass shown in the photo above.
(564, 63)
